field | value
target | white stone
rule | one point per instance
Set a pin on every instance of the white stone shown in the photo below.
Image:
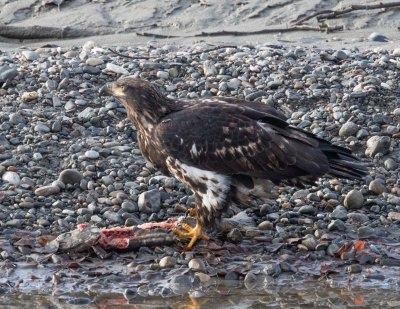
(111, 67)
(94, 61)
(92, 154)
(30, 55)
(11, 177)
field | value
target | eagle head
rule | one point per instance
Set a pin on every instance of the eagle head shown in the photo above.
(143, 101)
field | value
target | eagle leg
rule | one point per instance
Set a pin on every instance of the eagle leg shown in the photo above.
(192, 212)
(192, 233)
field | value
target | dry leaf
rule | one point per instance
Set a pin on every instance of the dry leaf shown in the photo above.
(358, 300)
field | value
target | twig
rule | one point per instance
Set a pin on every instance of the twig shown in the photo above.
(328, 14)
(156, 35)
(271, 30)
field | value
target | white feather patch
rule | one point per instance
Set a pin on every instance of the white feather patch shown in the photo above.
(217, 185)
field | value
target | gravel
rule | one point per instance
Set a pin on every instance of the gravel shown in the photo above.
(69, 157)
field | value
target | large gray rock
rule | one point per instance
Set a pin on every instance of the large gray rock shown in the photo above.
(348, 129)
(150, 201)
(354, 200)
(377, 144)
(7, 73)
(70, 176)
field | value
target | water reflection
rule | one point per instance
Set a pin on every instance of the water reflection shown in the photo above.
(233, 295)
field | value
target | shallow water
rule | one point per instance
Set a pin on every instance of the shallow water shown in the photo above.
(312, 294)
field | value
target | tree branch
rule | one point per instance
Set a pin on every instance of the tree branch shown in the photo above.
(329, 14)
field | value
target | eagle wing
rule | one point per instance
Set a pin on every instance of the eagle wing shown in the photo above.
(232, 139)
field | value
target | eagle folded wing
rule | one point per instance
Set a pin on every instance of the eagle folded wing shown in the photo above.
(233, 139)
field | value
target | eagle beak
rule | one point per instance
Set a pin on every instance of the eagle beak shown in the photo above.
(106, 90)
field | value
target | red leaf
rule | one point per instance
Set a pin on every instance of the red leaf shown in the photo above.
(359, 245)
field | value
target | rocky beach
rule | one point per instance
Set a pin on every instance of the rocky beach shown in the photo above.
(70, 168)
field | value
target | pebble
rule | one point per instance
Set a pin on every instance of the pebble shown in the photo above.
(336, 225)
(354, 200)
(92, 154)
(70, 176)
(181, 284)
(365, 232)
(197, 264)
(272, 269)
(149, 201)
(12, 178)
(339, 212)
(393, 215)
(30, 55)
(377, 37)
(348, 129)
(94, 61)
(377, 186)
(377, 144)
(111, 67)
(235, 236)
(308, 210)
(47, 190)
(29, 96)
(167, 262)
(358, 217)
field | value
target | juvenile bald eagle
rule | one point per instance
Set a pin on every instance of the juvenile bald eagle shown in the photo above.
(225, 149)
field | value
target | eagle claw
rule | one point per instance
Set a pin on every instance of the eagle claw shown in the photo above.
(192, 233)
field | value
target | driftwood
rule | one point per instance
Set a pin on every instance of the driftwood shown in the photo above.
(321, 28)
(39, 32)
(329, 14)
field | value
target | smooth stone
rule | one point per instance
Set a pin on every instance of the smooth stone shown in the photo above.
(12, 178)
(377, 144)
(70, 176)
(358, 217)
(308, 210)
(30, 55)
(47, 190)
(390, 164)
(377, 187)
(354, 200)
(7, 72)
(162, 75)
(92, 154)
(339, 212)
(149, 201)
(366, 232)
(40, 127)
(348, 129)
(266, 225)
(235, 236)
(29, 96)
(197, 264)
(16, 118)
(209, 68)
(394, 216)
(377, 37)
(167, 262)
(336, 225)
(111, 67)
(310, 243)
(94, 61)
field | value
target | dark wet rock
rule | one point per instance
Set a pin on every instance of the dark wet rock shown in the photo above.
(7, 72)
(354, 269)
(390, 262)
(149, 201)
(231, 275)
(332, 249)
(272, 269)
(377, 144)
(377, 37)
(181, 284)
(354, 199)
(358, 217)
(235, 236)
(308, 210)
(365, 232)
(339, 212)
(70, 176)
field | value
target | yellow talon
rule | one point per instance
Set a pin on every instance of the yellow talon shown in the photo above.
(192, 233)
